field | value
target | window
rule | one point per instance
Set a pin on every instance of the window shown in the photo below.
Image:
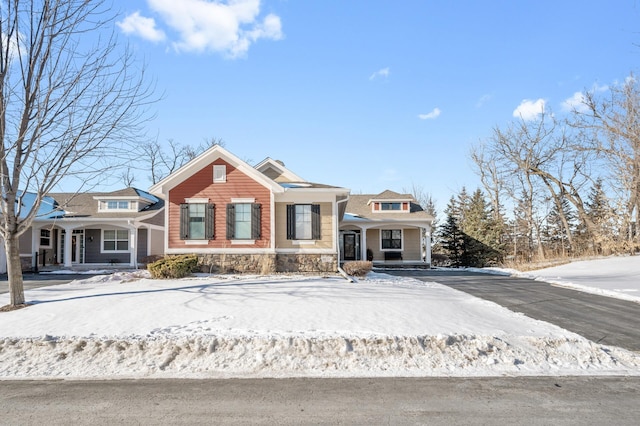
(45, 238)
(303, 222)
(391, 239)
(117, 205)
(243, 221)
(115, 240)
(219, 173)
(196, 221)
(391, 206)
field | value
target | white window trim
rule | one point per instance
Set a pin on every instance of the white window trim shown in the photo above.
(103, 206)
(221, 176)
(103, 251)
(196, 242)
(50, 238)
(196, 200)
(401, 239)
(242, 242)
(242, 200)
(303, 242)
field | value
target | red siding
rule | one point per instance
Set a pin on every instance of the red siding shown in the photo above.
(200, 185)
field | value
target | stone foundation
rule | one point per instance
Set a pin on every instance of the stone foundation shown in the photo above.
(266, 263)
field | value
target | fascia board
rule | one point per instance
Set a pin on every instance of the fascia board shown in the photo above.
(209, 156)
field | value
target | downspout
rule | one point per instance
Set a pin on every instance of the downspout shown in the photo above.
(340, 270)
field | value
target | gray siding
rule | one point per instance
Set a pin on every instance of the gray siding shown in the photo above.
(142, 243)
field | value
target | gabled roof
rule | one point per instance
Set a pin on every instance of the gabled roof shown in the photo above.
(86, 204)
(276, 170)
(203, 160)
(359, 208)
(389, 195)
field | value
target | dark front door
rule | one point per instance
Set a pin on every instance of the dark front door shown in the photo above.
(349, 246)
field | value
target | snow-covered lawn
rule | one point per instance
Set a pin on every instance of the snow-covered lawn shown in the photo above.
(128, 325)
(617, 277)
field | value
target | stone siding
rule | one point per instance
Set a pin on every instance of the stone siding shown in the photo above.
(266, 263)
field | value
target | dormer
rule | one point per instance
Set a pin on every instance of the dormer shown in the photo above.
(124, 201)
(391, 202)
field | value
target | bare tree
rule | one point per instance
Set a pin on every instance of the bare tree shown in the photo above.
(612, 122)
(69, 96)
(164, 160)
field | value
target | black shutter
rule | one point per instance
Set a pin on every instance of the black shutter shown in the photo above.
(209, 217)
(255, 221)
(184, 221)
(231, 221)
(315, 222)
(291, 222)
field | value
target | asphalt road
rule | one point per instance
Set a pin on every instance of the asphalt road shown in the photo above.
(601, 319)
(395, 401)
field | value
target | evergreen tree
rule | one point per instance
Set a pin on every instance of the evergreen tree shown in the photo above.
(451, 237)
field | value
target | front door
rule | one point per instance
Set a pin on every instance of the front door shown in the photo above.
(75, 249)
(349, 246)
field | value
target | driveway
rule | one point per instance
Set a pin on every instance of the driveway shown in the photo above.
(601, 319)
(32, 280)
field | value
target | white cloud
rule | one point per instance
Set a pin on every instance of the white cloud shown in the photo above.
(141, 26)
(226, 27)
(430, 116)
(529, 110)
(576, 101)
(382, 73)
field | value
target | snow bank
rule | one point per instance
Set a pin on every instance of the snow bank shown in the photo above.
(293, 356)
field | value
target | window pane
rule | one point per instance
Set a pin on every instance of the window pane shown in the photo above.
(110, 235)
(196, 221)
(243, 221)
(109, 245)
(122, 234)
(303, 222)
(122, 245)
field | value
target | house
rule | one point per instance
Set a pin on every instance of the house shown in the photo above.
(97, 228)
(260, 219)
(387, 228)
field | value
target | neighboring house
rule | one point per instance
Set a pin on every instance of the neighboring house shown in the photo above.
(387, 228)
(260, 219)
(121, 227)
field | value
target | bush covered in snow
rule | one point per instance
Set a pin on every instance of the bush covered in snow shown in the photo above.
(174, 266)
(358, 268)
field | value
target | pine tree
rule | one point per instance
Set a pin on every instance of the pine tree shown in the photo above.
(451, 237)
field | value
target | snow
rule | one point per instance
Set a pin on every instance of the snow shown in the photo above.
(617, 277)
(127, 325)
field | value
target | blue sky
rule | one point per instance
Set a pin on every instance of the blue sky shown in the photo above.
(366, 94)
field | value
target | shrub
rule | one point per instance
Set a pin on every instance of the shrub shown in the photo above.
(359, 268)
(174, 266)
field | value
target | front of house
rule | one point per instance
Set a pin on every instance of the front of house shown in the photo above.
(235, 217)
(260, 219)
(386, 228)
(101, 228)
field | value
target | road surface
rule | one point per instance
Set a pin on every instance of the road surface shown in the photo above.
(395, 401)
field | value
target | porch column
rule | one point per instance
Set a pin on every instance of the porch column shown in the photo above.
(133, 244)
(363, 243)
(35, 244)
(427, 242)
(67, 246)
